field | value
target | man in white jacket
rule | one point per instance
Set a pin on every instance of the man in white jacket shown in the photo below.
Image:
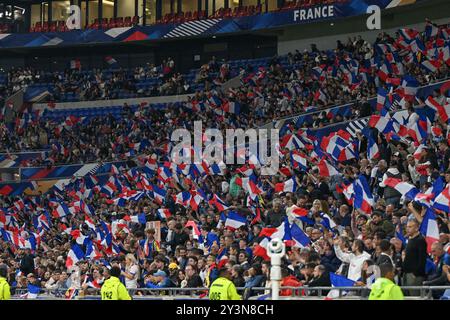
(355, 259)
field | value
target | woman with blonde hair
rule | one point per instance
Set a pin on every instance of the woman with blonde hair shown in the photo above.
(131, 272)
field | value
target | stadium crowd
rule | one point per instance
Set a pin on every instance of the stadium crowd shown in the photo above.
(68, 237)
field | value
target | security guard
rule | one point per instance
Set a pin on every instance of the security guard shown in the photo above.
(384, 288)
(113, 289)
(223, 288)
(5, 292)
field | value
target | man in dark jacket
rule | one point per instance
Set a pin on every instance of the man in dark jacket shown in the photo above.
(179, 238)
(415, 258)
(385, 253)
(275, 216)
(321, 278)
(27, 262)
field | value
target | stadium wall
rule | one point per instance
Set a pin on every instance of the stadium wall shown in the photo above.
(325, 34)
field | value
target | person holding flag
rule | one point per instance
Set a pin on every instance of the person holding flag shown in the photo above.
(148, 247)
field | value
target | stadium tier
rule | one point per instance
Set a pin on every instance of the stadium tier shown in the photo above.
(93, 193)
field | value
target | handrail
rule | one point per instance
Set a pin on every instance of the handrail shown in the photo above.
(302, 291)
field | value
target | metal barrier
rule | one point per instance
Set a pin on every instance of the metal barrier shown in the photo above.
(297, 293)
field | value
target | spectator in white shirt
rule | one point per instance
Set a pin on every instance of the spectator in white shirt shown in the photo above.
(131, 272)
(355, 259)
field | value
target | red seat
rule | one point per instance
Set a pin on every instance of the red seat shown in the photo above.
(127, 22)
(38, 27)
(119, 22)
(135, 20)
(228, 13)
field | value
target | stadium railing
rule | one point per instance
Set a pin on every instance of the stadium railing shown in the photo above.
(297, 293)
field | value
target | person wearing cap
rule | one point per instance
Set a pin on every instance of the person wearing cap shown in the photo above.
(161, 280)
(112, 288)
(5, 290)
(223, 287)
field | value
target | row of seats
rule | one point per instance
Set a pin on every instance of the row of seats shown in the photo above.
(6, 28)
(95, 111)
(60, 26)
(221, 13)
(105, 23)
(114, 23)
(297, 4)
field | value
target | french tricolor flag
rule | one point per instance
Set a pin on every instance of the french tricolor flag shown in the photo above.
(164, 174)
(231, 107)
(250, 185)
(407, 190)
(429, 228)
(326, 169)
(372, 149)
(442, 201)
(338, 281)
(383, 124)
(433, 104)
(363, 198)
(408, 34)
(431, 30)
(299, 238)
(183, 198)
(431, 65)
(164, 213)
(75, 254)
(159, 194)
(381, 98)
(299, 160)
(61, 211)
(296, 211)
(287, 186)
(88, 221)
(218, 203)
(291, 142)
(320, 96)
(235, 220)
(260, 249)
(140, 218)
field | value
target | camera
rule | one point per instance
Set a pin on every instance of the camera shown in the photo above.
(276, 247)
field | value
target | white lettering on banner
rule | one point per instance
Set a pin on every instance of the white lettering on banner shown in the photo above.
(314, 13)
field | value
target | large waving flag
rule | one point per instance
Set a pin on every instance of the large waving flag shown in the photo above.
(326, 169)
(299, 238)
(218, 203)
(61, 211)
(163, 213)
(339, 282)
(442, 201)
(406, 189)
(287, 186)
(429, 228)
(373, 151)
(75, 254)
(299, 160)
(327, 222)
(363, 198)
(235, 220)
